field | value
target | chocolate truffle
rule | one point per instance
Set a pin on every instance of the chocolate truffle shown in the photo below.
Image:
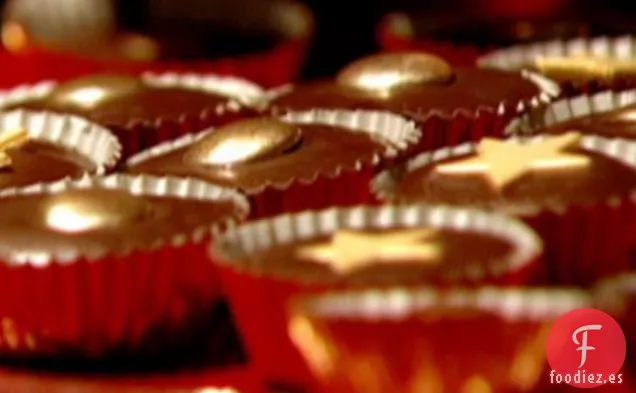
(516, 175)
(38, 147)
(117, 100)
(415, 84)
(262, 152)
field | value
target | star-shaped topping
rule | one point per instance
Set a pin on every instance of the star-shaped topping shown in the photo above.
(502, 162)
(349, 251)
(10, 140)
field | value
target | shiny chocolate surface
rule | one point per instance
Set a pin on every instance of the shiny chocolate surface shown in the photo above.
(250, 154)
(520, 176)
(410, 83)
(95, 221)
(118, 100)
(34, 161)
(395, 255)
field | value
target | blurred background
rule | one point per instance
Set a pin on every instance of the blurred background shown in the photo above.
(347, 29)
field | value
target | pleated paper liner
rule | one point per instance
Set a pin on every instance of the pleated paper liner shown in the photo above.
(137, 304)
(582, 241)
(572, 81)
(94, 146)
(259, 295)
(338, 186)
(567, 109)
(449, 339)
(274, 65)
(243, 99)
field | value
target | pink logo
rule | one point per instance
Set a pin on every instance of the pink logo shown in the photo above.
(586, 349)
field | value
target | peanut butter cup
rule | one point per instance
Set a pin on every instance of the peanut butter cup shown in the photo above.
(301, 160)
(416, 84)
(567, 186)
(267, 262)
(39, 146)
(120, 240)
(144, 110)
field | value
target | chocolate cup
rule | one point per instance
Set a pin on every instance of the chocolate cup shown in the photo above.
(402, 336)
(62, 305)
(560, 226)
(519, 57)
(243, 98)
(190, 36)
(251, 287)
(462, 38)
(338, 186)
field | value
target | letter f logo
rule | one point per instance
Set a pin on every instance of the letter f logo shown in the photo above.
(583, 344)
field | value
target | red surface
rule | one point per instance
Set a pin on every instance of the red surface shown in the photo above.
(239, 378)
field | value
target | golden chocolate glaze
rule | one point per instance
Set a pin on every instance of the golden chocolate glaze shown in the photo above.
(245, 141)
(388, 71)
(90, 92)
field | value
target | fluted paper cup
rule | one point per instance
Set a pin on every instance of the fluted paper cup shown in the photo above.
(320, 187)
(413, 340)
(64, 303)
(259, 293)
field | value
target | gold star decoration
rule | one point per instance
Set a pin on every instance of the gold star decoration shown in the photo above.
(349, 251)
(502, 162)
(10, 140)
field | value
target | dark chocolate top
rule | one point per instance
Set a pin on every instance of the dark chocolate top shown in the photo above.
(251, 154)
(620, 123)
(25, 161)
(119, 100)
(396, 255)
(519, 177)
(410, 83)
(94, 221)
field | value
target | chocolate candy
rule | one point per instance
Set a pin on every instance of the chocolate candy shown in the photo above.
(516, 175)
(251, 154)
(412, 83)
(120, 100)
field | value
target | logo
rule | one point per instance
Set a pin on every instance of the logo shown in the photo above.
(585, 349)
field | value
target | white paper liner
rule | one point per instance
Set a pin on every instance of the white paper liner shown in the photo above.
(384, 184)
(232, 247)
(90, 141)
(512, 304)
(398, 131)
(570, 108)
(522, 56)
(614, 294)
(142, 185)
(240, 92)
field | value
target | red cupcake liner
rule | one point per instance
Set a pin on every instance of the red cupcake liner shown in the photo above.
(583, 242)
(73, 306)
(279, 65)
(441, 130)
(395, 34)
(523, 56)
(244, 99)
(259, 299)
(339, 186)
(441, 337)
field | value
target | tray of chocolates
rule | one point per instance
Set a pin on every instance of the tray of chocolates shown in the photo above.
(185, 209)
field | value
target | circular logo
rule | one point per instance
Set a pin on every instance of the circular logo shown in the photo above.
(585, 349)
